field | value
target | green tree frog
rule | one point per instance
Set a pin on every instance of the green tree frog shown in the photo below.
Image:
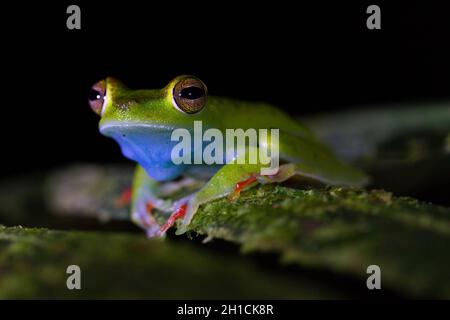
(142, 122)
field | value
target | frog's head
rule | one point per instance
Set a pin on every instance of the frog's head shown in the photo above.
(142, 121)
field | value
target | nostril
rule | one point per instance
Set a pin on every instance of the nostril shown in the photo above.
(96, 96)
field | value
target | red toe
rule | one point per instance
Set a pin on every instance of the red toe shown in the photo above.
(239, 186)
(177, 214)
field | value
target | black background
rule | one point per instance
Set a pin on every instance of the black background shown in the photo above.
(303, 57)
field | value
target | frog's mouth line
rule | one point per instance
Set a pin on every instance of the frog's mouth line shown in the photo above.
(115, 127)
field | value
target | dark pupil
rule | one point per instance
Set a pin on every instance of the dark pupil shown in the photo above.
(94, 95)
(192, 93)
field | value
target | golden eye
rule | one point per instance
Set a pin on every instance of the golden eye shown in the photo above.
(97, 96)
(189, 95)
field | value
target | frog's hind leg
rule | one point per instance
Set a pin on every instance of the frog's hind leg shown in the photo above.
(314, 161)
(317, 162)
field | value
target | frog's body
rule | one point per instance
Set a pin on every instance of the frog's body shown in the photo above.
(142, 122)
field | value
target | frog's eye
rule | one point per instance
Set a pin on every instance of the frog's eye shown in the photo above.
(189, 95)
(97, 96)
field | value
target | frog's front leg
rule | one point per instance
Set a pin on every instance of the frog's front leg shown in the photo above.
(229, 181)
(146, 195)
(144, 198)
